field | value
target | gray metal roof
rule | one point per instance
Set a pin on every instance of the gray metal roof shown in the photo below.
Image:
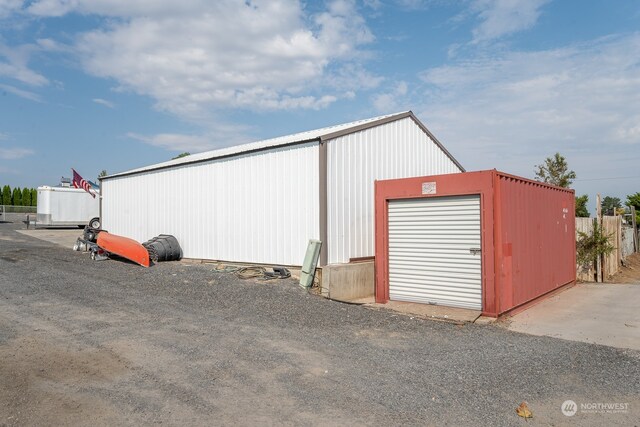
(322, 134)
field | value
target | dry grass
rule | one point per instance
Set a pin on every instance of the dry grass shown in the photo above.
(630, 272)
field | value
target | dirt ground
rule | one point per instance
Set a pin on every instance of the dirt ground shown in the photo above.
(630, 272)
(111, 343)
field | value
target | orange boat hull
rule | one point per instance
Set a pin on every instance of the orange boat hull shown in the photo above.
(124, 247)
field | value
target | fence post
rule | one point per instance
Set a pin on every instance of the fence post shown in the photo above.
(619, 242)
(635, 230)
(598, 223)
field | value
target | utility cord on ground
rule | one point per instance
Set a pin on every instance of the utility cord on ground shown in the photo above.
(254, 272)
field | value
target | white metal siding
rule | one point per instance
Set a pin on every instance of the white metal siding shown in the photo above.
(260, 207)
(429, 251)
(398, 149)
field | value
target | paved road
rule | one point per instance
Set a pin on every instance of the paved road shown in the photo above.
(110, 343)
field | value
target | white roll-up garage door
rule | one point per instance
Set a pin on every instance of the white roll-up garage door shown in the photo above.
(434, 251)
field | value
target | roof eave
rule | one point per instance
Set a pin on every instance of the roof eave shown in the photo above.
(208, 159)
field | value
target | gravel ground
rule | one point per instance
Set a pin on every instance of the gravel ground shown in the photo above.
(111, 343)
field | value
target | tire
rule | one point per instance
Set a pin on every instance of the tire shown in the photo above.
(94, 223)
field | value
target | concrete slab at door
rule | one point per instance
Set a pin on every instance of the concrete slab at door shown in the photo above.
(604, 314)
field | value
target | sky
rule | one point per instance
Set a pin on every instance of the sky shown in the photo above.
(119, 84)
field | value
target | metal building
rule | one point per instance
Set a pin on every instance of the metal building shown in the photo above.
(262, 202)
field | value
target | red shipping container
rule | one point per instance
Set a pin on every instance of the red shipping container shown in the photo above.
(525, 228)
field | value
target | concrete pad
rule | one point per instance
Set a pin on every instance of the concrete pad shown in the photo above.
(600, 313)
(349, 282)
(485, 320)
(64, 237)
(429, 311)
(365, 300)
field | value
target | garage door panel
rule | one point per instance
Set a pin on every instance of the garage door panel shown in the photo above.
(437, 232)
(462, 245)
(450, 253)
(446, 284)
(432, 257)
(434, 263)
(415, 205)
(470, 274)
(410, 217)
(438, 297)
(438, 292)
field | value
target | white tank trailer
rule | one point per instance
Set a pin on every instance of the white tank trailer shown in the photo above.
(67, 206)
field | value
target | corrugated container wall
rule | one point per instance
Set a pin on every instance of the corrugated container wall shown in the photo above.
(258, 207)
(394, 150)
(535, 239)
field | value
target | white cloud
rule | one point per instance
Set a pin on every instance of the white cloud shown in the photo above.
(415, 4)
(14, 64)
(7, 7)
(175, 142)
(195, 57)
(350, 77)
(503, 17)
(21, 92)
(393, 100)
(513, 110)
(104, 102)
(221, 134)
(14, 153)
(373, 4)
(51, 45)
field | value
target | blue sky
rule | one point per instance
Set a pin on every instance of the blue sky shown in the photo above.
(117, 84)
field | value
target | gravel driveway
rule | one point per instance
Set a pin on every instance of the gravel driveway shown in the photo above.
(111, 343)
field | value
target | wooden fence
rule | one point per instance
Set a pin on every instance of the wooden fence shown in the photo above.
(612, 226)
(609, 264)
(585, 273)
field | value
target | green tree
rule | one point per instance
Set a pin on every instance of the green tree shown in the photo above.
(6, 195)
(34, 197)
(185, 154)
(581, 206)
(26, 197)
(591, 246)
(555, 170)
(609, 205)
(634, 200)
(102, 173)
(16, 197)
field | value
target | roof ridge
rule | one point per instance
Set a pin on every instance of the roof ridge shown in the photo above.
(320, 134)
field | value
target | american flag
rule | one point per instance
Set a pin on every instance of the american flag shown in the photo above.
(80, 182)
